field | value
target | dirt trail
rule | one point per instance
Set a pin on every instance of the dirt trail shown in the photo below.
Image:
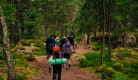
(75, 73)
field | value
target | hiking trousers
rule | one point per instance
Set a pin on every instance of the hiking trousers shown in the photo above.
(57, 70)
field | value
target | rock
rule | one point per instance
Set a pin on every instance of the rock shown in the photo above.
(114, 55)
(131, 40)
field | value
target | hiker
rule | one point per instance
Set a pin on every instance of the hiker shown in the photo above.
(71, 38)
(62, 41)
(58, 43)
(66, 49)
(57, 68)
(50, 43)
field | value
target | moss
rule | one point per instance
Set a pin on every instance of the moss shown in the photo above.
(118, 66)
(27, 42)
(3, 76)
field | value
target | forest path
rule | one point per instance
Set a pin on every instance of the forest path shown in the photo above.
(74, 73)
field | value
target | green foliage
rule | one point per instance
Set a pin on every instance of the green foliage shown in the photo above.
(1, 77)
(110, 69)
(27, 42)
(30, 58)
(119, 77)
(2, 56)
(123, 52)
(39, 43)
(42, 51)
(78, 39)
(2, 63)
(92, 59)
(17, 56)
(22, 76)
(97, 46)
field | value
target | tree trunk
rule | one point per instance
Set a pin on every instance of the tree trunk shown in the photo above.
(88, 38)
(124, 33)
(18, 20)
(46, 29)
(109, 31)
(6, 46)
(103, 24)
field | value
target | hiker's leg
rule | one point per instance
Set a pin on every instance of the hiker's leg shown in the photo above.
(59, 71)
(69, 62)
(49, 65)
(55, 69)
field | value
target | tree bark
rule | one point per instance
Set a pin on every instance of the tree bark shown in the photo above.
(6, 46)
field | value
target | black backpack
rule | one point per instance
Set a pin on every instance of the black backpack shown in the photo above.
(50, 44)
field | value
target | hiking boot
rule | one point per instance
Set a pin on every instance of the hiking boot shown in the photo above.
(49, 70)
(69, 65)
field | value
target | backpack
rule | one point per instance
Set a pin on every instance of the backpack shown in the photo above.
(67, 48)
(71, 38)
(50, 43)
(62, 42)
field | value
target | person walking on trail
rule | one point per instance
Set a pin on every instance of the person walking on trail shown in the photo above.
(50, 43)
(71, 38)
(57, 68)
(66, 49)
(62, 41)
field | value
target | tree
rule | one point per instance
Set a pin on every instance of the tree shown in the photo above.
(6, 46)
